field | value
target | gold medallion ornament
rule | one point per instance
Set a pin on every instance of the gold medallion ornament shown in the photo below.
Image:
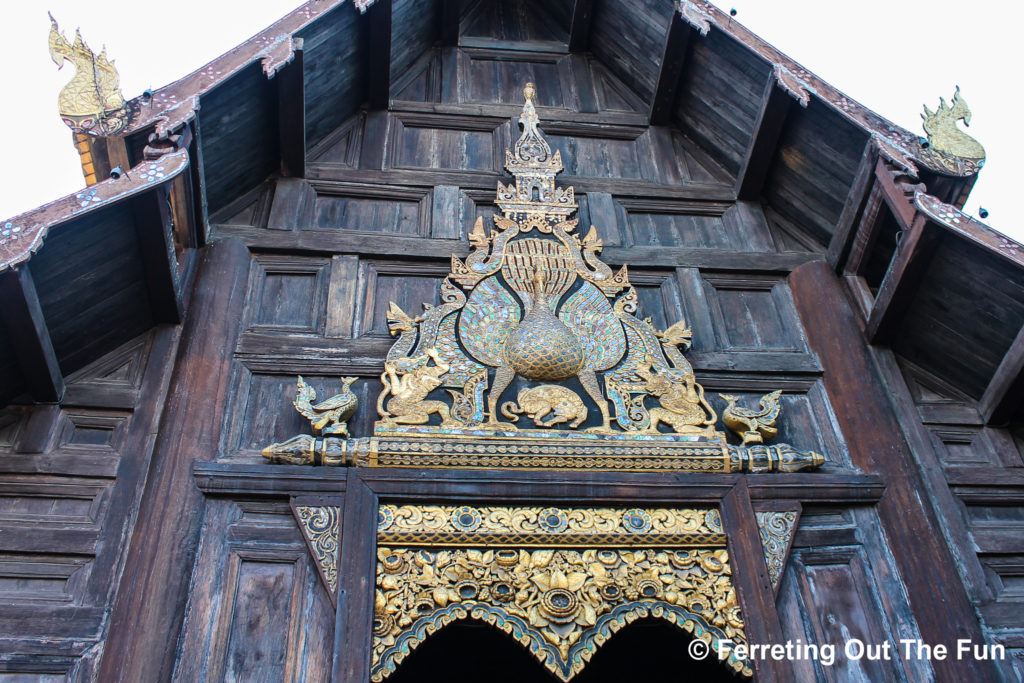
(561, 581)
(533, 313)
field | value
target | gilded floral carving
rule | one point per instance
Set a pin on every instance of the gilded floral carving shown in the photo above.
(553, 578)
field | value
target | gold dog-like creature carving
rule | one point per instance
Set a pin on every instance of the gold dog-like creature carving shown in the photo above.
(560, 403)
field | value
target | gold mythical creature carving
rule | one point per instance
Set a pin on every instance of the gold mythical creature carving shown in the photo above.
(92, 100)
(681, 399)
(329, 417)
(409, 380)
(943, 134)
(561, 403)
(753, 426)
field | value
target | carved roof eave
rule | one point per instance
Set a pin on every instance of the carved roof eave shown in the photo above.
(896, 143)
(23, 235)
(958, 222)
(175, 104)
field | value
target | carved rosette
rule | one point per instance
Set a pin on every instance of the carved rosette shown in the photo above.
(561, 581)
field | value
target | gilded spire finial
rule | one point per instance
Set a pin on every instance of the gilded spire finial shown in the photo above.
(91, 102)
(534, 166)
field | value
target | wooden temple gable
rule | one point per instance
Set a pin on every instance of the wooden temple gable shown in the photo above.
(154, 325)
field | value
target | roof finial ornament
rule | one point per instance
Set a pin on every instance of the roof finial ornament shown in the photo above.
(91, 102)
(534, 166)
(950, 147)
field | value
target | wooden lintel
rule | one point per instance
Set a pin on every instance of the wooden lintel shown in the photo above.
(29, 336)
(449, 22)
(673, 58)
(154, 227)
(291, 110)
(579, 29)
(775, 104)
(1003, 399)
(913, 253)
(854, 208)
(379, 18)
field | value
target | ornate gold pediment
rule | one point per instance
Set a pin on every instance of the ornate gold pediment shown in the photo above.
(535, 358)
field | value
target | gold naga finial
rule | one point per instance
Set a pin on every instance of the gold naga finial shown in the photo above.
(91, 102)
(944, 136)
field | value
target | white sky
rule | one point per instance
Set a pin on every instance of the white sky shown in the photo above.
(891, 55)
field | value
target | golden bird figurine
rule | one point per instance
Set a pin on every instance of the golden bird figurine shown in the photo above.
(753, 426)
(331, 416)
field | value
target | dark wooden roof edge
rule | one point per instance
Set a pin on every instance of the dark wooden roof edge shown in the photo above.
(174, 104)
(24, 234)
(900, 145)
(958, 222)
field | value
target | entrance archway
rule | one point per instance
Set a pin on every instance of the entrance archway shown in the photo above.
(649, 650)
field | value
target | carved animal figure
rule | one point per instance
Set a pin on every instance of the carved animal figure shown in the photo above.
(92, 99)
(560, 403)
(330, 416)
(681, 398)
(410, 380)
(753, 426)
(943, 134)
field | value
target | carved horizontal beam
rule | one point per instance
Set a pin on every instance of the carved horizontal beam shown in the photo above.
(231, 479)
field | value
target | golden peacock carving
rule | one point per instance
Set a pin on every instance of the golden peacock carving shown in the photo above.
(753, 426)
(329, 417)
(532, 311)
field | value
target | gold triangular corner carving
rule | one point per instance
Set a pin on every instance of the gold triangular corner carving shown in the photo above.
(776, 528)
(320, 526)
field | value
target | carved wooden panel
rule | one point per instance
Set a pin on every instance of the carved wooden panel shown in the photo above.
(287, 294)
(257, 608)
(445, 143)
(373, 209)
(397, 282)
(840, 586)
(753, 313)
(741, 227)
(497, 76)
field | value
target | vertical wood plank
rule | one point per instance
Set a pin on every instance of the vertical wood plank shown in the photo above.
(153, 226)
(357, 566)
(750, 576)
(444, 215)
(149, 606)
(341, 296)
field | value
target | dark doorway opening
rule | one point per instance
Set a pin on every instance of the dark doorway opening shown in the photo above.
(648, 650)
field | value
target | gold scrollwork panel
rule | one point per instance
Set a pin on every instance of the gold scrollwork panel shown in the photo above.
(561, 602)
